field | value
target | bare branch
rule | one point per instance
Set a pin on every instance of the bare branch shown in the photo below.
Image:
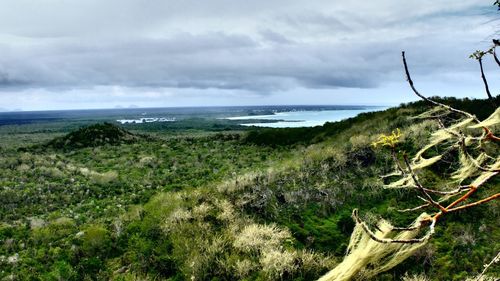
(420, 187)
(495, 56)
(414, 209)
(492, 197)
(441, 192)
(408, 78)
(487, 266)
(496, 43)
(451, 192)
(396, 160)
(485, 82)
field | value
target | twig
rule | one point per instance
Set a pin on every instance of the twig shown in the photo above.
(408, 78)
(451, 192)
(396, 160)
(420, 187)
(485, 82)
(486, 266)
(496, 43)
(495, 56)
(414, 209)
(489, 135)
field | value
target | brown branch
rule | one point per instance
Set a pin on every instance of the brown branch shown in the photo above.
(408, 78)
(492, 197)
(465, 196)
(396, 160)
(469, 193)
(420, 187)
(489, 135)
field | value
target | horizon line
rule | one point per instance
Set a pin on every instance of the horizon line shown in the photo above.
(188, 106)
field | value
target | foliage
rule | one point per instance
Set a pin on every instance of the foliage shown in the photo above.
(92, 136)
(388, 140)
(213, 206)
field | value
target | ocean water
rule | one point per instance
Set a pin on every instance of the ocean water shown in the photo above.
(310, 118)
(277, 116)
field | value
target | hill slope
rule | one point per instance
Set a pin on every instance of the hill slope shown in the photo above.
(92, 136)
(284, 215)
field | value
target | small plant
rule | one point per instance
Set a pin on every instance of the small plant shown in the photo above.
(388, 140)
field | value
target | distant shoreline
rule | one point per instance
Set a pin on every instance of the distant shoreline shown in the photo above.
(20, 111)
(230, 113)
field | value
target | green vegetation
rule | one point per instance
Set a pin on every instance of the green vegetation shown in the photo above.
(104, 203)
(92, 136)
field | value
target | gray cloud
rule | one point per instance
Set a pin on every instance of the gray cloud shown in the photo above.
(262, 47)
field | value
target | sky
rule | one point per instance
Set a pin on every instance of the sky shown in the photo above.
(63, 54)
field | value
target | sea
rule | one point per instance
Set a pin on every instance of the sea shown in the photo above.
(293, 119)
(279, 116)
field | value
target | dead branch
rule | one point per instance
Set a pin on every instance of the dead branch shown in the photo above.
(420, 187)
(495, 56)
(450, 192)
(487, 266)
(415, 209)
(396, 160)
(496, 43)
(408, 78)
(485, 82)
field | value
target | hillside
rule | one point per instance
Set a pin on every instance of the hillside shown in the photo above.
(92, 136)
(101, 203)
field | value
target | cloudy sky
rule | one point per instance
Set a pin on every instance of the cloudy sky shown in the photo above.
(62, 54)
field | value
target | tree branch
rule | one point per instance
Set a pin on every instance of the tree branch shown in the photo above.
(495, 56)
(396, 160)
(420, 187)
(408, 78)
(414, 209)
(486, 266)
(492, 197)
(485, 82)
(496, 43)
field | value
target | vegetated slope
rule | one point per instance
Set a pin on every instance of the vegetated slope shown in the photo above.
(312, 197)
(99, 182)
(288, 220)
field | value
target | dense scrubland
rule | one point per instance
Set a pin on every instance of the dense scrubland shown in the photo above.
(106, 203)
